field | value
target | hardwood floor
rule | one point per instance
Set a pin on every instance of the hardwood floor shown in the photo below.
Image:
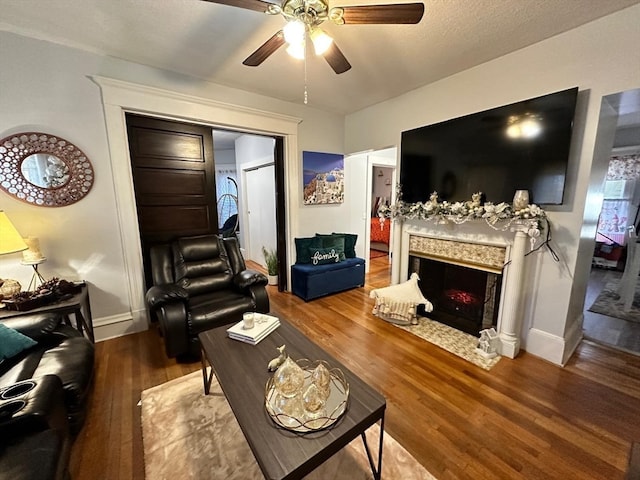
(525, 418)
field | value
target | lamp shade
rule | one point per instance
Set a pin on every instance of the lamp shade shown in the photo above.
(10, 239)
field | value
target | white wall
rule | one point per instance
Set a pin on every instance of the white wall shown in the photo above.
(224, 156)
(600, 58)
(47, 88)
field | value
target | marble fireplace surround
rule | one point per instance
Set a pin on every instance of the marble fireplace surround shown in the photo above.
(474, 244)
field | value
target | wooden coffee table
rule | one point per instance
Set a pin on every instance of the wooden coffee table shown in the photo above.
(241, 370)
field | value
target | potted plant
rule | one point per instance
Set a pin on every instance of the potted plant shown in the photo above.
(271, 259)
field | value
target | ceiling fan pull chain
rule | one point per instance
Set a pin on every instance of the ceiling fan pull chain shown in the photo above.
(305, 71)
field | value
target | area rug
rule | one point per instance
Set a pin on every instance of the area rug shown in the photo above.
(452, 340)
(189, 435)
(609, 303)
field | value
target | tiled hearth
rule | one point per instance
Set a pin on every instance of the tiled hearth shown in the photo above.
(476, 245)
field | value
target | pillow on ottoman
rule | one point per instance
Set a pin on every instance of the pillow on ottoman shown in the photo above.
(332, 240)
(349, 244)
(302, 248)
(322, 256)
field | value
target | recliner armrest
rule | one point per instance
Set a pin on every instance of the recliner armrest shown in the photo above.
(160, 295)
(248, 278)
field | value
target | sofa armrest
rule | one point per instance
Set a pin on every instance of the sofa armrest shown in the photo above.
(248, 278)
(160, 295)
(38, 327)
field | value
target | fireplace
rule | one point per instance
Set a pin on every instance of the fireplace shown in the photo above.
(463, 297)
(476, 247)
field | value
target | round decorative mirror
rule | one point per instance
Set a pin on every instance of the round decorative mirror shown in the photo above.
(41, 169)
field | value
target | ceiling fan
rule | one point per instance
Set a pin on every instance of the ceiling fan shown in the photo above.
(304, 18)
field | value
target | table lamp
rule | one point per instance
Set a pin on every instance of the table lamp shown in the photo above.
(33, 256)
(10, 242)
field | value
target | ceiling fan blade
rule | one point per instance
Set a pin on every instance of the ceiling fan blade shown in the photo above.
(265, 50)
(378, 14)
(256, 5)
(336, 59)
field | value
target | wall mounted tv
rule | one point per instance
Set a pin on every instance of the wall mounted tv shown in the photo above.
(522, 146)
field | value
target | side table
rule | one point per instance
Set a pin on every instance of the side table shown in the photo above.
(77, 305)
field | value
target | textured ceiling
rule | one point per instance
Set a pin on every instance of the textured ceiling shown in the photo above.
(209, 41)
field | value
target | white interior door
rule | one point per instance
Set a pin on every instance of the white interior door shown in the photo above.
(261, 211)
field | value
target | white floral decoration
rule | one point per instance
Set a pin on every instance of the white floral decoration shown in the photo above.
(498, 216)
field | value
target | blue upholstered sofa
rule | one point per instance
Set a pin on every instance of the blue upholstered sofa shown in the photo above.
(326, 264)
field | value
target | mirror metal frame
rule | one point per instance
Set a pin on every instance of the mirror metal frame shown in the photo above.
(14, 149)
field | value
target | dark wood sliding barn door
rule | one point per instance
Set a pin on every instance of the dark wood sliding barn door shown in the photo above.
(174, 180)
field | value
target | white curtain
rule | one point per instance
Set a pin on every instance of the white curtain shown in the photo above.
(227, 193)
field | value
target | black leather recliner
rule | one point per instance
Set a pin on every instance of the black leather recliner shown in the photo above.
(201, 283)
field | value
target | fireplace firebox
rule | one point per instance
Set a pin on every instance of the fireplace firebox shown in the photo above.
(462, 297)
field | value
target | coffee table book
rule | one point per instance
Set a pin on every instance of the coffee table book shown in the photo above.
(263, 326)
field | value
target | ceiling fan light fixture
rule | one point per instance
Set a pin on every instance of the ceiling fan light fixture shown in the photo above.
(321, 40)
(296, 50)
(294, 32)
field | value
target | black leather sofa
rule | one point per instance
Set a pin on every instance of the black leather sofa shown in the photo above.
(43, 397)
(34, 430)
(201, 282)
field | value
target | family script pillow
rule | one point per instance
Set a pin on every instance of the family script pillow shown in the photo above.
(323, 256)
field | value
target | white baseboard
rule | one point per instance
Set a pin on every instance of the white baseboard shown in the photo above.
(572, 339)
(545, 345)
(105, 328)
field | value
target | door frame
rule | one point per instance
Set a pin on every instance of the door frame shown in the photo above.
(119, 97)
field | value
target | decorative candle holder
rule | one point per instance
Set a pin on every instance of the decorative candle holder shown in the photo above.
(521, 199)
(289, 379)
(318, 404)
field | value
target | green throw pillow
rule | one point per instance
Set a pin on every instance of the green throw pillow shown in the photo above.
(302, 248)
(323, 256)
(332, 241)
(13, 342)
(350, 240)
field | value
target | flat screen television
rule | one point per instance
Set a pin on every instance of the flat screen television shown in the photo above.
(522, 146)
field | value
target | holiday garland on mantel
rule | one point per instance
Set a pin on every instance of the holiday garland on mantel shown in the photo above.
(499, 216)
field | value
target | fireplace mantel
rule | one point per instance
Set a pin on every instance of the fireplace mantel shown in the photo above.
(512, 241)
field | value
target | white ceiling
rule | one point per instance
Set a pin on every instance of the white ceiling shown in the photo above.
(210, 41)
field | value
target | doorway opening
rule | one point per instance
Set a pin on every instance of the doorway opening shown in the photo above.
(606, 319)
(246, 186)
(186, 182)
(381, 190)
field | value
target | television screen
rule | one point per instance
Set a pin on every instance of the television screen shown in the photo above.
(522, 146)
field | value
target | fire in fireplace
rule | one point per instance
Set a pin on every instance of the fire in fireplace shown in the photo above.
(462, 297)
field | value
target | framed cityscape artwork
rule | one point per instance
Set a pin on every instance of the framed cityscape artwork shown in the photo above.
(322, 178)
